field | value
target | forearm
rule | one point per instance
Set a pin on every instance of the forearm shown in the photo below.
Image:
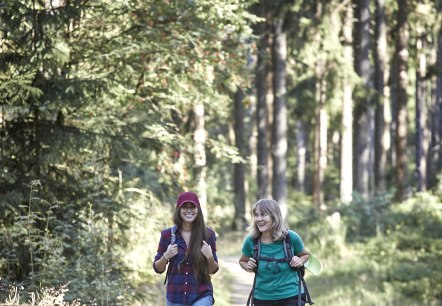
(243, 265)
(213, 265)
(304, 258)
(161, 264)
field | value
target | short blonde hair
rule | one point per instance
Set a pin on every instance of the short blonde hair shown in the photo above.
(278, 229)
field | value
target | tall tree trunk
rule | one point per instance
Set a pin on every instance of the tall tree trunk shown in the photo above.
(261, 107)
(320, 150)
(279, 135)
(435, 156)
(346, 184)
(301, 145)
(421, 113)
(200, 155)
(401, 109)
(364, 116)
(382, 113)
(239, 221)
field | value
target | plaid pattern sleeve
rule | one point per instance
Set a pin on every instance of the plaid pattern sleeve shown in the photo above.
(182, 286)
(162, 246)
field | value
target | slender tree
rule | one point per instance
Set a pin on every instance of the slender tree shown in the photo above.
(401, 102)
(435, 151)
(382, 112)
(200, 169)
(262, 113)
(421, 110)
(364, 115)
(346, 183)
(279, 133)
(239, 221)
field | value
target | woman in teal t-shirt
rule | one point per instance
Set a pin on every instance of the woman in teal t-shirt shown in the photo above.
(276, 281)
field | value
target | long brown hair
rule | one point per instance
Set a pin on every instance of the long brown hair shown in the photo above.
(198, 234)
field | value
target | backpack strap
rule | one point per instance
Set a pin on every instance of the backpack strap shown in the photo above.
(173, 230)
(288, 257)
(287, 248)
(256, 253)
(299, 270)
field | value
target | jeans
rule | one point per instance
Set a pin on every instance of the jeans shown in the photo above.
(205, 301)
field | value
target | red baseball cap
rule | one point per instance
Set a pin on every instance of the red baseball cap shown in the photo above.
(187, 197)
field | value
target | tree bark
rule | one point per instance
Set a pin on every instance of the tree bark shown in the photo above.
(239, 221)
(421, 113)
(382, 112)
(200, 156)
(346, 183)
(320, 150)
(435, 154)
(301, 146)
(364, 116)
(401, 109)
(262, 118)
(279, 145)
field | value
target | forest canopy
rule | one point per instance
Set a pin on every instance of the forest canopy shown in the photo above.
(109, 109)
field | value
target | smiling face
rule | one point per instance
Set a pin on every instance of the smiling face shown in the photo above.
(188, 212)
(263, 220)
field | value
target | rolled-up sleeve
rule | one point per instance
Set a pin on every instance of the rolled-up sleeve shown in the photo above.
(162, 247)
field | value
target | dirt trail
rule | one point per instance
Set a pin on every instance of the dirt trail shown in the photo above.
(242, 280)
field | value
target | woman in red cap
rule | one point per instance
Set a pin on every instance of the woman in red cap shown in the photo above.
(188, 250)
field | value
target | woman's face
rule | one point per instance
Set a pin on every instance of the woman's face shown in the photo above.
(263, 220)
(188, 212)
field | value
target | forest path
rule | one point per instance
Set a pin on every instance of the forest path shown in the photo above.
(242, 280)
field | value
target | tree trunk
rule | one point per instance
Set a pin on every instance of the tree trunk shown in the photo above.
(261, 108)
(364, 117)
(279, 135)
(301, 145)
(200, 156)
(401, 109)
(346, 184)
(320, 150)
(421, 114)
(239, 221)
(435, 151)
(382, 113)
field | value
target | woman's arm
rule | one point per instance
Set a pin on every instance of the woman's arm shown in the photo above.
(207, 251)
(299, 259)
(247, 263)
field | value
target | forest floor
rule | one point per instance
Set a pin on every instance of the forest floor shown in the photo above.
(242, 280)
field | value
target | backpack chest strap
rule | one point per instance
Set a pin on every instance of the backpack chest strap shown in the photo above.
(274, 259)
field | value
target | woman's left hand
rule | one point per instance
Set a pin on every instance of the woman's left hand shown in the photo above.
(206, 250)
(296, 262)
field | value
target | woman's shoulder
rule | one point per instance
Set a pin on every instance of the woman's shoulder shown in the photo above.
(293, 234)
(167, 232)
(211, 232)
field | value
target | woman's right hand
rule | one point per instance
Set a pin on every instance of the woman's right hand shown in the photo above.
(172, 251)
(251, 264)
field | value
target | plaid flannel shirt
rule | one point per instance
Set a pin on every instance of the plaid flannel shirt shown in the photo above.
(182, 286)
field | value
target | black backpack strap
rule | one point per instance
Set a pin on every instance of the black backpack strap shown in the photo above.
(256, 253)
(288, 248)
(301, 284)
(173, 230)
(299, 270)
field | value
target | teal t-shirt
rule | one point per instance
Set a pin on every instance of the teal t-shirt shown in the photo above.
(275, 280)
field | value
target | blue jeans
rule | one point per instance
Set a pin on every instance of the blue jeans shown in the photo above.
(205, 301)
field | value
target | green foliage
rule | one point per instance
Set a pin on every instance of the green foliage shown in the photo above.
(96, 103)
